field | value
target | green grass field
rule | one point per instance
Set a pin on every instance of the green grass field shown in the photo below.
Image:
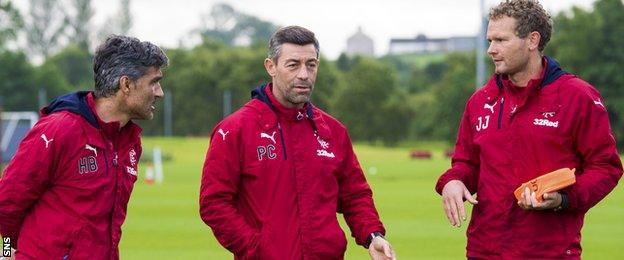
(163, 220)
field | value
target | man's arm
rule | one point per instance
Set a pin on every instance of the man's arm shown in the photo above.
(465, 160)
(27, 177)
(219, 187)
(601, 166)
(460, 181)
(355, 202)
(355, 198)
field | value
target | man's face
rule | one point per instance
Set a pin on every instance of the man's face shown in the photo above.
(509, 52)
(293, 74)
(143, 94)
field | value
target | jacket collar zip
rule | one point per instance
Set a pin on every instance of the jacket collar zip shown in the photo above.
(268, 115)
(290, 114)
(518, 96)
(496, 91)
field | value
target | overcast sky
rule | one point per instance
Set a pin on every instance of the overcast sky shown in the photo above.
(165, 22)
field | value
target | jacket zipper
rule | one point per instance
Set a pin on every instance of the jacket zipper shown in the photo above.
(115, 159)
(115, 183)
(279, 127)
(500, 112)
(106, 162)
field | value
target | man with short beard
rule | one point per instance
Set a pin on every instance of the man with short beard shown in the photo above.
(531, 118)
(65, 193)
(279, 169)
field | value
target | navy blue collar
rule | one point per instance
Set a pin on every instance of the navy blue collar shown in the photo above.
(259, 94)
(74, 102)
(552, 73)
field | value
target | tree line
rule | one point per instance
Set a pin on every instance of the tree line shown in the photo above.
(383, 100)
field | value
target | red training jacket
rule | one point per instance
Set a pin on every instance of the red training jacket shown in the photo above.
(66, 190)
(509, 135)
(274, 179)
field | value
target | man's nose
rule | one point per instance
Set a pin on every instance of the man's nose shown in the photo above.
(303, 73)
(158, 92)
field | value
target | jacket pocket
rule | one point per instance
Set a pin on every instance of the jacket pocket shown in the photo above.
(125, 186)
(265, 248)
(331, 243)
(89, 244)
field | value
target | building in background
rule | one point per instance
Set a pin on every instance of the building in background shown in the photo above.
(360, 44)
(421, 44)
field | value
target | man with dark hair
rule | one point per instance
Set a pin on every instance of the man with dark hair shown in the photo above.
(530, 119)
(279, 169)
(64, 195)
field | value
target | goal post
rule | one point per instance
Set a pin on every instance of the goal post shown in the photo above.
(14, 126)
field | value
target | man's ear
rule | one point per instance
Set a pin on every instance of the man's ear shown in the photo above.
(270, 66)
(124, 84)
(534, 40)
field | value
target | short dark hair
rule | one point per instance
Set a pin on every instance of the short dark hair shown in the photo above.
(291, 34)
(530, 17)
(123, 56)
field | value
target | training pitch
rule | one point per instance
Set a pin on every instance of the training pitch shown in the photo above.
(163, 219)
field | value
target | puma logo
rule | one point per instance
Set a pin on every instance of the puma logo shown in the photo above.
(490, 107)
(223, 134)
(91, 148)
(43, 136)
(598, 102)
(272, 136)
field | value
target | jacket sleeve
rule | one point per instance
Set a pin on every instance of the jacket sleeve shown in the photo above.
(601, 165)
(465, 161)
(219, 188)
(355, 198)
(27, 177)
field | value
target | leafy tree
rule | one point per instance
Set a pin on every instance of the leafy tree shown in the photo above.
(327, 82)
(421, 79)
(416, 72)
(120, 23)
(450, 95)
(231, 27)
(80, 23)
(51, 79)
(395, 115)
(361, 102)
(75, 65)
(422, 124)
(198, 78)
(46, 27)
(344, 63)
(125, 17)
(17, 85)
(10, 22)
(589, 44)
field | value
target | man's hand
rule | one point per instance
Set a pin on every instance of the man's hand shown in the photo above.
(528, 201)
(453, 195)
(381, 249)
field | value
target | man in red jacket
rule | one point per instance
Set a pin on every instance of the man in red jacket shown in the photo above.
(64, 195)
(279, 169)
(530, 118)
